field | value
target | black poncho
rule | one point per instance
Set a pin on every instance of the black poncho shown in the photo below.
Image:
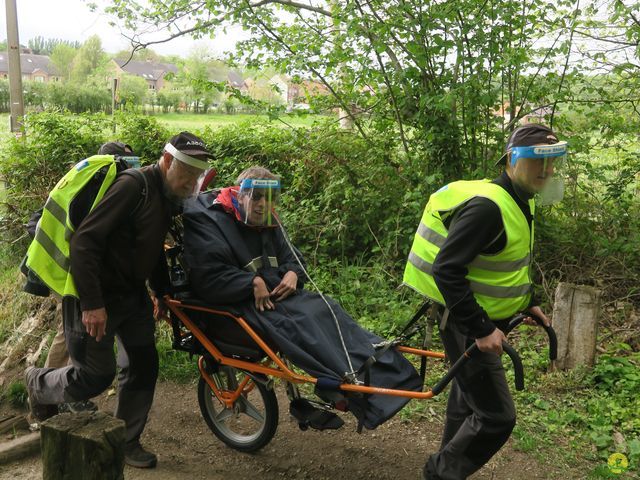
(218, 250)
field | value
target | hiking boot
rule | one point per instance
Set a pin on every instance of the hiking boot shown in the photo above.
(428, 471)
(39, 412)
(76, 407)
(138, 457)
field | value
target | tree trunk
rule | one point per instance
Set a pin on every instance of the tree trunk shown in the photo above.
(83, 446)
(575, 319)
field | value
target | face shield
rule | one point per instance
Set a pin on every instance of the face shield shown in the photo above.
(257, 199)
(539, 170)
(186, 174)
(132, 161)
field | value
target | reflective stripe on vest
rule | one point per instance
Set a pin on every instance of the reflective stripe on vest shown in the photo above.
(500, 283)
(48, 254)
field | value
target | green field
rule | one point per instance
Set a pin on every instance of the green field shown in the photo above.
(192, 121)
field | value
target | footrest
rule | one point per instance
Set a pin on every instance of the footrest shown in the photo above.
(316, 418)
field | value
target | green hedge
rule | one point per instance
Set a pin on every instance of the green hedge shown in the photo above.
(31, 165)
(342, 197)
(347, 199)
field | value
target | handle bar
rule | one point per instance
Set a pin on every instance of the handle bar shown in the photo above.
(468, 354)
(551, 333)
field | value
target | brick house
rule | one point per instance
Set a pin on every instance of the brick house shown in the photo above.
(36, 68)
(152, 72)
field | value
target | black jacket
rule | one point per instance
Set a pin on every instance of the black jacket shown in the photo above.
(119, 245)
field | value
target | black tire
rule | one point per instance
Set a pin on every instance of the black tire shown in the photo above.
(243, 431)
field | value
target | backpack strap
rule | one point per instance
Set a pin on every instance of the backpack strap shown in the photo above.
(141, 178)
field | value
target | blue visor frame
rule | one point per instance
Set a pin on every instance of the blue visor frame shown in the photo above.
(538, 151)
(251, 183)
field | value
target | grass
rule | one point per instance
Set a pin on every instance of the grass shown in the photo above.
(4, 123)
(191, 121)
(175, 365)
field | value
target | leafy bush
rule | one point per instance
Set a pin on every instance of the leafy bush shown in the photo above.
(30, 166)
(343, 197)
(146, 135)
(77, 98)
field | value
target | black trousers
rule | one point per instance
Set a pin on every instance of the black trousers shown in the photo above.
(480, 412)
(129, 322)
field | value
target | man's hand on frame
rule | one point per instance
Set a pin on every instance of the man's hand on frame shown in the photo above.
(492, 343)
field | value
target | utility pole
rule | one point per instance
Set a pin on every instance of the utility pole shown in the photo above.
(15, 72)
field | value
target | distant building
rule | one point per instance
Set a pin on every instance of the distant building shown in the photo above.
(36, 68)
(152, 72)
(296, 95)
(533, 115)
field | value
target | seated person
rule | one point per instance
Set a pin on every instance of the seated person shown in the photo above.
(237, 253)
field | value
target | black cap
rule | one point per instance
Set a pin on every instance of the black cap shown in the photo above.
(526, 136)
(190, 144)
(115, 148)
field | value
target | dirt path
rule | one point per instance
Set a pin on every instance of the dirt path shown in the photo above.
(395, 451)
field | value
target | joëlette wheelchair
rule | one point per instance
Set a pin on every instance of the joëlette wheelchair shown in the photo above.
(237, 368)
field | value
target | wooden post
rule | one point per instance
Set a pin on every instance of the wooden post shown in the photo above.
(83, 446)
(575, 319)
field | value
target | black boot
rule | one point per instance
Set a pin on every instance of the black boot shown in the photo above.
(138, 457)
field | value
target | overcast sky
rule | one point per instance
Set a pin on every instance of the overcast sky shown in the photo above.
(72, 20)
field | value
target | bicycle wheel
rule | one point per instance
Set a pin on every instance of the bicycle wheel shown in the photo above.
(251, 421)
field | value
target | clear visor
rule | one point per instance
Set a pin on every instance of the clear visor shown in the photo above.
(540, 170)
(185, 180)
(131, 160)
(257, 199)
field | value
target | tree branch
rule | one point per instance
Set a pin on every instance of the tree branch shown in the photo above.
(566, 63)
(276, 37)
(388, 83)
(290, 3)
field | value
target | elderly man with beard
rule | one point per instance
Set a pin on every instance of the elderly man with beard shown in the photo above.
(115, 250)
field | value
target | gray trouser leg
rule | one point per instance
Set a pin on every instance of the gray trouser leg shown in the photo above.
(93, 364)
(480, 412)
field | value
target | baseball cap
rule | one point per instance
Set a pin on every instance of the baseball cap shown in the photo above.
(190, 144)
(115, 148)
(526, 136)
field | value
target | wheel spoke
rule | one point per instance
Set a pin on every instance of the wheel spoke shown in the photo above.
(250, 410)
(224, 414)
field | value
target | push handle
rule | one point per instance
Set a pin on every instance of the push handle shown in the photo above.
(468, 354)
(551, 333)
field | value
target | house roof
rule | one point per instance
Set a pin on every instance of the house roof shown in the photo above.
(147, 70)
(235, 79)
(30, 63)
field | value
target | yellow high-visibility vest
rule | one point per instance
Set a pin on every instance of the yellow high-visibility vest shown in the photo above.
(48, 254)
(501, 283)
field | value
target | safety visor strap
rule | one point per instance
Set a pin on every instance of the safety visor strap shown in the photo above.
(184, 158)
(539, 151)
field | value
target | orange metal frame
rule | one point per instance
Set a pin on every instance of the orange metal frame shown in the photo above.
(273, 366)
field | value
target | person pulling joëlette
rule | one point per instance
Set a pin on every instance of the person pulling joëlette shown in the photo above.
(472, 255)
